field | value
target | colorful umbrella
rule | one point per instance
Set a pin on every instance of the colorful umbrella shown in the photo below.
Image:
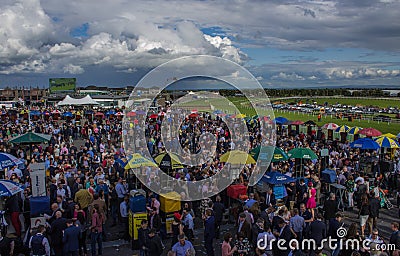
(370, 132)
(281, 120)
(278, 153)
(297, 122)
(141, 112)
(342, 128)
(168, 161)
(354, 130)
(7, 160)
(138, 160)
(277, 178)
(56, 111)
(302, 153)
(35, 113)
(237, 157)
(10, 188)
(389, 135)
(153, 116)
(130, 114)
(386, 142)
(330, 126)
(364, 143)
(68, 114)
(240, 116)
(193, 115)
(119, 114)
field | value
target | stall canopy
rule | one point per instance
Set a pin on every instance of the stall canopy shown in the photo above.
(30, 138)
(68, 101)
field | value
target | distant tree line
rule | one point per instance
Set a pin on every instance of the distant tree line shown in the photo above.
(316, 92)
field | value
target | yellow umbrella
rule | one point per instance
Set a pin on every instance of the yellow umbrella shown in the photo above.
(388, 135)
(240, 116)
(385, 142)
(237, 157)
(138, 160)
(169, 161)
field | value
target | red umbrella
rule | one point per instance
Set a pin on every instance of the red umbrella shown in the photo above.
(370, 132)
(99, 114)
(130, 114)
(298, 122)
(193, 115)
(153, 116)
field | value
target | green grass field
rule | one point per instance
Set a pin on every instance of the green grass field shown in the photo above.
(381, 126)
(241, 105)
(382, 103)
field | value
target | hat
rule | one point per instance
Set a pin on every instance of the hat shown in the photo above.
(177, 215)
(310, 184)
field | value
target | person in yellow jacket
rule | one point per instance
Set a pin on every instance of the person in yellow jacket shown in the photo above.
(84, 198)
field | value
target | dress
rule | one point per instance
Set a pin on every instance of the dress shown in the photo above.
(311, 203)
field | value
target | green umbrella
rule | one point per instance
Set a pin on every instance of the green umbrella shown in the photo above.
(302, 153)
(278, 155)
(30, 138)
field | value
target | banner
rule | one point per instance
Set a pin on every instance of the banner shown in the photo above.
(279, 191)
(38, 179)
(35, 222)
(135, 220)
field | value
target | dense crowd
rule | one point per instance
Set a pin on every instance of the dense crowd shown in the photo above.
(88, 187)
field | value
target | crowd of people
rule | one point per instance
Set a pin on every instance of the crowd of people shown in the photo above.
(88, 187)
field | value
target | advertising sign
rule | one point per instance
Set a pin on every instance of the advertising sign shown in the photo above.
(38, 177)
(62, 85)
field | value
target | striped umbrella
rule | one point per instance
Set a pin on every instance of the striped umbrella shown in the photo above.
(354, 130)
(330, 126)
(342, 128)
(386, 142)
(388, 135)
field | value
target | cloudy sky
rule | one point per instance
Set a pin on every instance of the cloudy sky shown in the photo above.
(296, 43)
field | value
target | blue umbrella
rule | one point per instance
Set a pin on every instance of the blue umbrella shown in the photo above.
(68, 114)
(35, 113)
(10, 188)
(110, 112)
(277, 178)
(141, 112)
(7, 160)
(217, 112)
(365, 143)
(281, 120)
(328, 176)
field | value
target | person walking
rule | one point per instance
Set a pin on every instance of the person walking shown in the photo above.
(71, 239)
(374, 206)
(219, 210)
(56, 231)
(96, 231)
(209, 232)
(226, 247)
(363, 213)
(143, 233)
(39, 244)
(153, 244)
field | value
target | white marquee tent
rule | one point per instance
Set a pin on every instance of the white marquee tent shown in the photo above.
(69, 101)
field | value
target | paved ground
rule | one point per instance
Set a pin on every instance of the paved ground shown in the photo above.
(120, 247)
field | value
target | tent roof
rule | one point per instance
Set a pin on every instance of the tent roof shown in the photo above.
(87, 100)
(30, 137)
